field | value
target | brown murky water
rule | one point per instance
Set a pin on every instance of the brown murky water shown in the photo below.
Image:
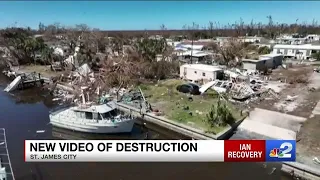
(25, 112)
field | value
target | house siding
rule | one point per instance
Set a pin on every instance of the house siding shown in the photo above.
(194, 74)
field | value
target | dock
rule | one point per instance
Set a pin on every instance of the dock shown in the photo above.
(25, 80)
(6, 172)
(30, 80)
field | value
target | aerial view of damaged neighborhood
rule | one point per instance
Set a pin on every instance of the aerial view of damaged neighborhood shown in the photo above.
(159, 70)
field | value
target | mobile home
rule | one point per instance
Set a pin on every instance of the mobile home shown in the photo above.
(197, 72)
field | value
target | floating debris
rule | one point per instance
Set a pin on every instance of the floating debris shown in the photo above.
(272, 171)
(316, 160)
(40, 131)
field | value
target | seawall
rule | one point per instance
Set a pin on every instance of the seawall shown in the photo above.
(291, 168)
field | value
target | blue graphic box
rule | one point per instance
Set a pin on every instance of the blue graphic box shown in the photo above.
(280, 150)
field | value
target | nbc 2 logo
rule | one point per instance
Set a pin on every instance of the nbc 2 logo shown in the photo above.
(280, 150)
(283, 151)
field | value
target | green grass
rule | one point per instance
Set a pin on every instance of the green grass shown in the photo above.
(177, 106)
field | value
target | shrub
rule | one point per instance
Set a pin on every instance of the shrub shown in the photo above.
(219, 115)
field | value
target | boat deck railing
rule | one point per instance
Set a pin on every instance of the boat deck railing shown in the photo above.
(61, 117)
(5, 163)
(60, 108)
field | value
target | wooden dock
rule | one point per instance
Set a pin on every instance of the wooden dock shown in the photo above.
(28, 79)
(5, 163)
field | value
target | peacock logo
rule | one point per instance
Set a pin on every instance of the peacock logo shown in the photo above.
(276, 152)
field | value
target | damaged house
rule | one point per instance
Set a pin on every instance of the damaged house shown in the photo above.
(195, 56)
(257, 65)
(268, 61)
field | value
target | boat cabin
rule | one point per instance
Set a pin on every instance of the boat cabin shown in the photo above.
(98, 112)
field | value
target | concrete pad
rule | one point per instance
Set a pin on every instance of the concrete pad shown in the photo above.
(265, 130)
(314, 80)
(276, 86)
(316, 109)
(244, 134)
(278, 119)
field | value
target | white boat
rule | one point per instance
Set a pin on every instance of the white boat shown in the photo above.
(100, 118)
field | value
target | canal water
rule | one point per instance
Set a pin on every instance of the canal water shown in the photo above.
(25, 112)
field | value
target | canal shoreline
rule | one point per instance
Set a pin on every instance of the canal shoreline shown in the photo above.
(177, 127)
(293, 169)
(290, 168)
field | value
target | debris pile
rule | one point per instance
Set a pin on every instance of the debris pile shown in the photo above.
(241, 91)
(70, 87)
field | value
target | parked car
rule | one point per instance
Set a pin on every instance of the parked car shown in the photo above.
(189, 88)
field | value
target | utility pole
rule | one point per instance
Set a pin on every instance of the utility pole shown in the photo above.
(193, 26)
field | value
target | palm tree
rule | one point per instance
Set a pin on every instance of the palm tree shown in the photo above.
(149, 48)
(47, 54)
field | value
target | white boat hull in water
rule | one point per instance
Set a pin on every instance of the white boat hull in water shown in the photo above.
(69, 119)
(123, 127)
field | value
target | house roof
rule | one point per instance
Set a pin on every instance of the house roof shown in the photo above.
(194, 46)
(253, 60)
(299, 47)
(202, 67)
(195, 53)
(197, 43)
(270, 55)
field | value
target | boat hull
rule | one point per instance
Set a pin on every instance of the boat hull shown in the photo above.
(78, 119)
(119, 127)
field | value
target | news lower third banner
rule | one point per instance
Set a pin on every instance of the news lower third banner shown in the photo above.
(160, 150)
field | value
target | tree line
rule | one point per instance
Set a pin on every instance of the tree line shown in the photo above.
(212, 29)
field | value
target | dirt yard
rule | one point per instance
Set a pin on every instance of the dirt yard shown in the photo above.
(300, 98)
(43, 70)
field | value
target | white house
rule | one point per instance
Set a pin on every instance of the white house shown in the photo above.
(313, 37)
(195, 55)
(293, 41)
(296, 51)
(221, 41)
(250, 39)
(156, 37)
(172, 43)
(160, 57)
(189, 46)
(197, 72)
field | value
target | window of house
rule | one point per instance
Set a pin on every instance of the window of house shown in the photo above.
(203, 74)
(308, 52)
